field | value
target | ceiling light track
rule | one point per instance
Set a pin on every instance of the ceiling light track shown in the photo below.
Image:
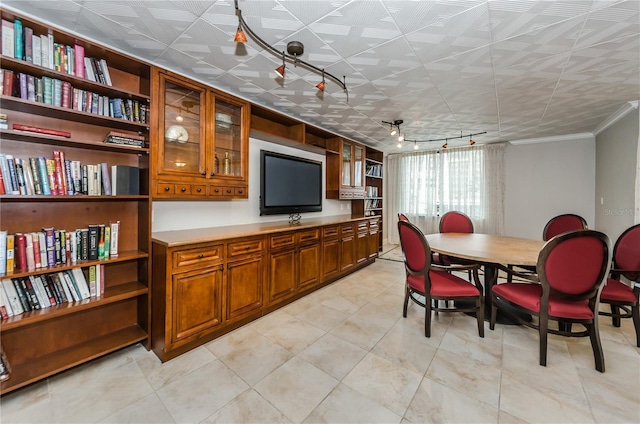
(446, 139)
(294, 50)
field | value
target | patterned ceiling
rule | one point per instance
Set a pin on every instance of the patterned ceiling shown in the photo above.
(516, 69)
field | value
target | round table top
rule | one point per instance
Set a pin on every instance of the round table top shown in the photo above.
(487, 248)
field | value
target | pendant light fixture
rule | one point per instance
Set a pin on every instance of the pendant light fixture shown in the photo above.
(294, 50)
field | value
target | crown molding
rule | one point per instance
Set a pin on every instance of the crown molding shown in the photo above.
(616, 116)
(566, 137)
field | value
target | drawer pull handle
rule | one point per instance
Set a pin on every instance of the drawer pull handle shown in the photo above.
(213, 173)
(247, 248)
(167, 189)
(183, 189)
(240, 191)
(204, 174)
(200, 256)
(229, 191)
(199, 190)
(217, 190)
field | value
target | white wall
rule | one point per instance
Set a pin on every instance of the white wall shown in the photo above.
(179, 215)
(543, 180)
(616, 161)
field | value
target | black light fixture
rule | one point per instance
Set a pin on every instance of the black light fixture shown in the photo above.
(294, 49)
(446, 139)
(394, 128)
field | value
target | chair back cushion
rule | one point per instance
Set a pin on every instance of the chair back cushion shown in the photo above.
(575, 265)
(414, 247)
(626, 253)
(455, 222)
(403, 217)
(563, 223)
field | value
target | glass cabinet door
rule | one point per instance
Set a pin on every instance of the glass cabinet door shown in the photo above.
(358, 163)
(346, 164)
(228, 139)
(182, 129)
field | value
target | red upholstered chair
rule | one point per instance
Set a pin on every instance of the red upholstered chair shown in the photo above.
(558, 225)
(622, 297)
(455, 222)
(434, 282)
(402, 217)
(572, 269)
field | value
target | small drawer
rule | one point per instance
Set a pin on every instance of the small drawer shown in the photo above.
(245, 247)
(183, 189)
(240, 192)
(202, 256)
(216, 191)
(165, 189)
(282, 240)
(362, 226)
(308, 235)
(346, 195)
(347, 228)
(199, 190)
(331, 231)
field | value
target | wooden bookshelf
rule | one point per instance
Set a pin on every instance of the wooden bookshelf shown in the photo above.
(43, 342)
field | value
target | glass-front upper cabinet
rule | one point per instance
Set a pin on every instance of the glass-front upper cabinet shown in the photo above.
(182, 127)
(228, 152)
(358, 166)
(346, 164)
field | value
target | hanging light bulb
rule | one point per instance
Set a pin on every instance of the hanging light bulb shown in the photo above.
(400, 138)
(320, 85)
(415, 145)
(240, 36)
(399, 144)
(392, 131)
(280, 69)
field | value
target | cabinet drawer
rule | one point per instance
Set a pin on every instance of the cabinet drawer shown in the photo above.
(373, 224)
(245, 247)
(282, 240)
(202, 256)
(240, 192)
(331, 231)
(165, 189)
(308, 235)
(199, 190)
(183, 189)
(347, 228)
(221, 191)
(362, 226)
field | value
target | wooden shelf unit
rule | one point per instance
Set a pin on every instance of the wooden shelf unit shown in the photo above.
(41, 343)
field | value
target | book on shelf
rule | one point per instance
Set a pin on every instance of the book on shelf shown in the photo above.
(2, 186)
(93, 238)
(61, 284)
(37, 49)
(20, 175)
(3, 251)
(106, 180)
(39, 291)
(81, 282)
(50, 243)
(69, 283)
(115, 234)
(18, 39)
(56, 243)
(51, 177)
(21, 251)
(5, 367)
(101, 241)
(44, 175)
(107, 242)
(39, 130)
(12, 296)
(6, 175)
(28, 44)
(4, 125)
(56, 289)
(36, 175)
(11, 165)
(30, 291)
(125, 180)
(35, 242)
(11, 252)
(8, 38)
(31, 261)
(22, 294)
(5, 307)
(42, 242)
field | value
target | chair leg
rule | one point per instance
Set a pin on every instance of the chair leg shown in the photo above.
(598, 355)
(494, 313)
(427, 317)
(406, 301)
(509, 275)
(615, 315)
(480, 316)
(542, 330)
(635, 313)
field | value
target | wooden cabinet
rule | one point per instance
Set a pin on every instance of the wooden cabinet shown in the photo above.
(345, 169)
(294, 263)
(362, 242)
(205, 288)
(372, 205)
(43, 342)
(373, 239)
(203, 139)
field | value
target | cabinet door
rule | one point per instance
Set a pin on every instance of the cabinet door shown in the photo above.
(196, 302)
(362, 247)
(373, 243)
(282, 274)
(358, 166)
(346, 164)
(309, 265)
(181, 144)
(347, 252)
(330, 258)
(230, 148)
(244, 287)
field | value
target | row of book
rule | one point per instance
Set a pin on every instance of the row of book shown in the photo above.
(51, 247)
(55, 92)
(372, 191)
(372, 203)
(373, 170)
(59, 176)
(24, 294)
(20, 42)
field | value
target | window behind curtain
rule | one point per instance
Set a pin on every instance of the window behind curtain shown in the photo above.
(428, 184)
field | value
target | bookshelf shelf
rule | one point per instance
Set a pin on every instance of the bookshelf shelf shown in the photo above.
(47, 365)
(42, 342)
(23, 136)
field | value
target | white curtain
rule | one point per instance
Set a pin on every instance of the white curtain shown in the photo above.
(636, 219)
(425, 185)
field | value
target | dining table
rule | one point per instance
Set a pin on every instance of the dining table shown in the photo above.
(489, 251)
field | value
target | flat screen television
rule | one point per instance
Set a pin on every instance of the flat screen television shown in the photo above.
(289, 184)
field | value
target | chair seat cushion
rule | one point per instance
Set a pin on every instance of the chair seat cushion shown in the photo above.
(617, 291)
(444, 284)
(528, 296)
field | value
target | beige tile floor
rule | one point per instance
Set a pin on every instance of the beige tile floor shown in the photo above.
(344, 354)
